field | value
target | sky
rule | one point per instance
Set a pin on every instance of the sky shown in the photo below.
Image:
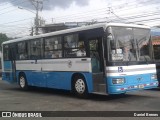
(17, 22)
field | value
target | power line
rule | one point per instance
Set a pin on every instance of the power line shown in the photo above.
(139, 16)
(148, 20)
(82, 17)
(12, 10)
(5, 2)
(142, 4)
(81, 13)
(19, 3)
(85, 16)
(94, 10)
(4, 26)
(103, 9)
(17, 21)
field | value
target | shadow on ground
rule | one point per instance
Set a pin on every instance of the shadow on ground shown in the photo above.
(93, 97)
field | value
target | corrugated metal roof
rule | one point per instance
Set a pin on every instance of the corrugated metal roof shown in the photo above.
(155, 42)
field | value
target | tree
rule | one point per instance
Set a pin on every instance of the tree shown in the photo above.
(3, 37)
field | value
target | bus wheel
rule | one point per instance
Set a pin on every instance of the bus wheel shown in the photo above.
(23, 82)
(80, 87)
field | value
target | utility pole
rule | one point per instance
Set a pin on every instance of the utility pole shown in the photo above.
(38, 4)
(31, 32)
(37, 17)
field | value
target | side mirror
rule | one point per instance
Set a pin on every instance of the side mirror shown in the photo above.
(110, 37)
(109, 29)
(111, 40)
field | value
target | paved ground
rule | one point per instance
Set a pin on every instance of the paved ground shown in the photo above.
(37, 99)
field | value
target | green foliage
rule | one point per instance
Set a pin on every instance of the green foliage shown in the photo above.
(3, 37)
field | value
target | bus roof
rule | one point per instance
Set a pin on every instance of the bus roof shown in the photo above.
(99, 25)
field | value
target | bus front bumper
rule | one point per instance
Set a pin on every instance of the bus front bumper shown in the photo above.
(118, 89)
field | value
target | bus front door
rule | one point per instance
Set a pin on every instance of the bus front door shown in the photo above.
(12, 64)
(96, 54)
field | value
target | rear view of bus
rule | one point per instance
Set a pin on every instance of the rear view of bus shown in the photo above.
(129, 65)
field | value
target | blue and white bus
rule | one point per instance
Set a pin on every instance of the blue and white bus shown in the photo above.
(110, 58)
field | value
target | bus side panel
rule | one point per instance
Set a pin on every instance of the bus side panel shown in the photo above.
(62, 80)
(7, 73)
(89, 81)
(58, 72)
(29, 76)
(57, 80)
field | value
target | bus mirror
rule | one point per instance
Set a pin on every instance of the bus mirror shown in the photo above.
(109, 30)
(111, 41)
(110, 37)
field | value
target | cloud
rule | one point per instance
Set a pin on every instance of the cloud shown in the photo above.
(147, 2)
(47, 4)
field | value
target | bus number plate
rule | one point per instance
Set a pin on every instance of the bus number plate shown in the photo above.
(141, 86)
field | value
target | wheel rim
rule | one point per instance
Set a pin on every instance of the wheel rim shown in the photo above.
(80, 86)
(22, 82)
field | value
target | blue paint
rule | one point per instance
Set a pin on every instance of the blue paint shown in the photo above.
(7, 65)
(8, 73)
(62, 80)
(8, 76)
(58, 80)
(113, 90)
(130, 81)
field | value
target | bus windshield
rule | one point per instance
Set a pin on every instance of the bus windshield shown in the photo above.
(129, 44)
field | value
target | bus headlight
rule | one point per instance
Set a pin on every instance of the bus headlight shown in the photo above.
(118, 80)
(154, 76)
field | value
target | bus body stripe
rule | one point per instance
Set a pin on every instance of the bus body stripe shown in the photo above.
(73, 64)
(131, 70)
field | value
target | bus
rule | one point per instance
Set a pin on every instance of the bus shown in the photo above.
(105, 58)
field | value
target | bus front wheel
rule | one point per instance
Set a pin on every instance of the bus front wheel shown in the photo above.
(80, 87)
(23, 82)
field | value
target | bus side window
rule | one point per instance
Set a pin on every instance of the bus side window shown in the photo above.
(22, 51)
(36, 49)
(70, 45)
(53, 47)
(74, 47)
(81, 49)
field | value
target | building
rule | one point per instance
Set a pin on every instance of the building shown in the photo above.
(61, 26)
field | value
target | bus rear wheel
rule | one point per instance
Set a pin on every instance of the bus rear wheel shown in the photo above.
(23, 82)
(80, 87)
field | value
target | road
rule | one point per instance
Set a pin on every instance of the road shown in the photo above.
(12, 98)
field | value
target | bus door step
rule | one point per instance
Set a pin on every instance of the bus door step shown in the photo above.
(99, 82)
(100, 88)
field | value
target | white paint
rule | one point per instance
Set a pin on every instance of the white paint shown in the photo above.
(77, 65)
(132, 70)
(130, 67)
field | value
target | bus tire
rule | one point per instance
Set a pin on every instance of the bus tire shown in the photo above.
(79, 87)
(23, 81)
